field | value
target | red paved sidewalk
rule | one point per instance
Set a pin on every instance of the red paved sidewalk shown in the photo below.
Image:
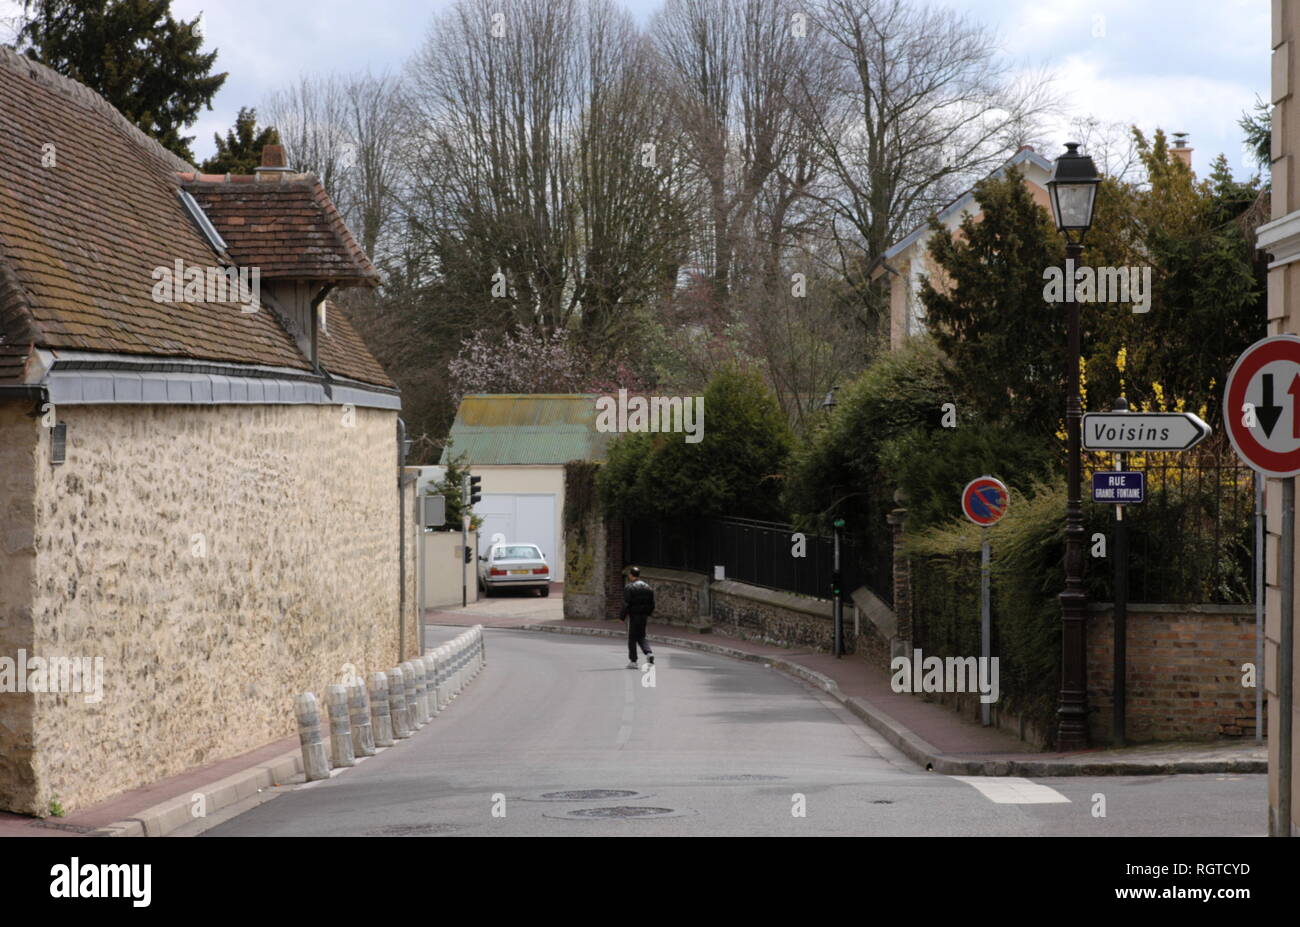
(129, 804)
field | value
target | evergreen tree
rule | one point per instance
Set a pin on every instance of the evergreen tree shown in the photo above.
(241, 150)
(131, 52)
(1005, 344)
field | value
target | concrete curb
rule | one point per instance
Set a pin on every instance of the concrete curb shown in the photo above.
(173, 814)
(920, 751)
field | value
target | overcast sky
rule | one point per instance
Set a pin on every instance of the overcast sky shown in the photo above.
(1183, 65)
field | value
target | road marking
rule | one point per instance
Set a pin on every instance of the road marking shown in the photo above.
(629, 695)
(1011, 790)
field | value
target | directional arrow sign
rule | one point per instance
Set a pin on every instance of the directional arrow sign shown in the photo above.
(1260, 405)
(1142, 431)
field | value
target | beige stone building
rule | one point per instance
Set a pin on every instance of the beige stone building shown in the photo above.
(200, 515)
(1281, 239)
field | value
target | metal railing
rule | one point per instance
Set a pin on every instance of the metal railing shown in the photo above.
(760, 553)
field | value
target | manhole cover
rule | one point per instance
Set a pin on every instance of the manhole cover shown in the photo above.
(746, 777)
(620, 811)
(412, 830)
(589, 795)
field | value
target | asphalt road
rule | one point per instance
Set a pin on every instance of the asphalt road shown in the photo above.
(714, 747)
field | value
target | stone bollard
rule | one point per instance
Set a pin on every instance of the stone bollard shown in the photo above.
(421, 706)
(410, 688)
(340, 729)
(314, 761)
(443, 668)
(430, 686)
(363, 736)
(381, 719)
(397, 704)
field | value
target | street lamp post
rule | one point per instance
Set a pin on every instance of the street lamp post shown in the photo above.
(1073, 190)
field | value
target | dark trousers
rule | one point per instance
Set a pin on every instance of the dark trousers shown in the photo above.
(636, 636)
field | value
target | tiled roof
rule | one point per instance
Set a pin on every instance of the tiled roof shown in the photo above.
(13, 361)
(550, 428)
(89, 208)
(287, 228)
(342, 352)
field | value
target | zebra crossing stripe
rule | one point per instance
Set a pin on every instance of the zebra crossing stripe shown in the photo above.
(1011, 790)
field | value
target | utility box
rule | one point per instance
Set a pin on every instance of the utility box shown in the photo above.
(433, 511)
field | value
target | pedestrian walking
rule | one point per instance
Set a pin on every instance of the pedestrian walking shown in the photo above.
(638, 606)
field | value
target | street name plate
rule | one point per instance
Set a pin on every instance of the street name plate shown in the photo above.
(1119, 487)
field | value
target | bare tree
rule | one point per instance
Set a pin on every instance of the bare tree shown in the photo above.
(311, 120)
(923, 107)
(734, 66)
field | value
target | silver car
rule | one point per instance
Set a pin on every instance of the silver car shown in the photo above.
(514, 566)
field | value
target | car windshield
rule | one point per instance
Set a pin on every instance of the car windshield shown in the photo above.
(518, 552)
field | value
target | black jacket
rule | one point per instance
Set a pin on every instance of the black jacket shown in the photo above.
(638, 599)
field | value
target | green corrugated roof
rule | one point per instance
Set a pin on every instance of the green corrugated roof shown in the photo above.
(544, 428)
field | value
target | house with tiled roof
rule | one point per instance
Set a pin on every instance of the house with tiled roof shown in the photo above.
(908, 263)
(200, 512)
(519, 443)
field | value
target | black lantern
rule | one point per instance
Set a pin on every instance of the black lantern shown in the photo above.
(1073, 189)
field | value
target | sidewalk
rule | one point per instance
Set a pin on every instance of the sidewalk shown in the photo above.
(157, 807)
(930, 734)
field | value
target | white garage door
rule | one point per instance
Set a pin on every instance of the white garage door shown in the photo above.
(525, 517)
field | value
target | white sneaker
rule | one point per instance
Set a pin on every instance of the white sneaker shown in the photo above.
(631, 664)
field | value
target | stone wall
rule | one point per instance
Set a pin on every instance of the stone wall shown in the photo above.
(1184, 672)
(219, 559)
(19, 436)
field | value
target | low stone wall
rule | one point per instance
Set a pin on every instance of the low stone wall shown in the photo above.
(1184, 672)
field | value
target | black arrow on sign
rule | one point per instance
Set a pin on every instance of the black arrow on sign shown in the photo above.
(1267, 412)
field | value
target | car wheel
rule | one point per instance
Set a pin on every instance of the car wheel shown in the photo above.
(545, 590)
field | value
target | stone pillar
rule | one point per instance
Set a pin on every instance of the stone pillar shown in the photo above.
(901, 645)
(614, 579)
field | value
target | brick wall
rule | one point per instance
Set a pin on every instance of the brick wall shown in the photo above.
(1184, 672)
(220, 559)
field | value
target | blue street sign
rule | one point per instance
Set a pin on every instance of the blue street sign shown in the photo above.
(1119, 487)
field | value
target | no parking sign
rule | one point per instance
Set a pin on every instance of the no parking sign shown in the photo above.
(985, 500)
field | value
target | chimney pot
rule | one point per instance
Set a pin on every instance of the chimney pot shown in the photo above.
(274, 164)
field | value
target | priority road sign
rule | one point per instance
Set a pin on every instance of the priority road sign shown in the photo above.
(985, 500)
(1119, 487)
(1142, 431)
(1260, 403)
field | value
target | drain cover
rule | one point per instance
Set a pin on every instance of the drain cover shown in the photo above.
(620, 811)
(882, 801)
(412, 830)
(746, 777)
(589, 795)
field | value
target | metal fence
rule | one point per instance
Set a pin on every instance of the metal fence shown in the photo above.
(757, 552)
(1192, 541)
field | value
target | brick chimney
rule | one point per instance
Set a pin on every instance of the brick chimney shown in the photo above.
(274, 165)
(1180, 149)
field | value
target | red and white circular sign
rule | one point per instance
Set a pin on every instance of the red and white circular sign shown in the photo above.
(1261, 406)
(985, 500)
